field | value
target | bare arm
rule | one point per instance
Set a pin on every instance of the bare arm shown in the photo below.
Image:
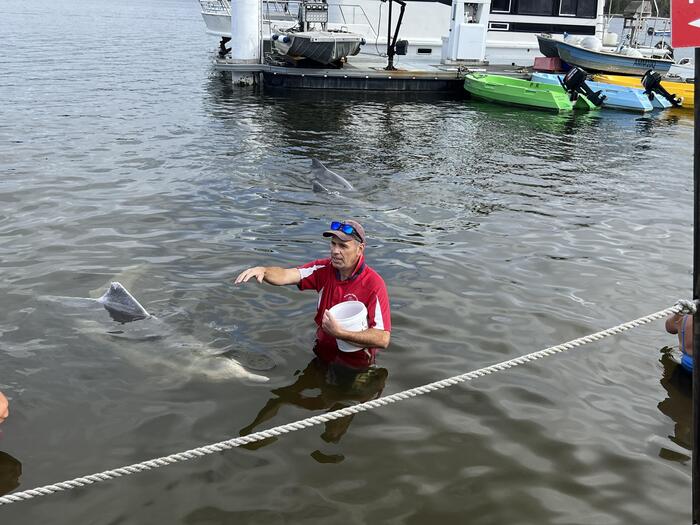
(673, 322)
(4, 408)
(370, 338)
(270, 274)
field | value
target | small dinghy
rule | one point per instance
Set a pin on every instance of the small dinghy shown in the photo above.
(323, 47)
(514, 91)
(311, 43)
(684, 90)
(616, 97)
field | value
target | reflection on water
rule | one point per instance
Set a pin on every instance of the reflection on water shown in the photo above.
(322, 387)
(10, 472)
(678, 405)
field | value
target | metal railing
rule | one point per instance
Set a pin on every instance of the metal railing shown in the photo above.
(288, 11)
(215, 7)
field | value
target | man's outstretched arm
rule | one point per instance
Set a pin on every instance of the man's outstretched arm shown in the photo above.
(270, 274)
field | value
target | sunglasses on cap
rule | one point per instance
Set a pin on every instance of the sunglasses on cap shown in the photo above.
(348, 229)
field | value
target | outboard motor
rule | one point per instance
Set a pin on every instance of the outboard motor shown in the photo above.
(574, 83)
(652, 84)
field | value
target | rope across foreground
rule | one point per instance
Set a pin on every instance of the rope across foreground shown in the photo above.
(682, 306)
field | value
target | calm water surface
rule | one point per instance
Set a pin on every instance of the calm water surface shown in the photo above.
(125, 156)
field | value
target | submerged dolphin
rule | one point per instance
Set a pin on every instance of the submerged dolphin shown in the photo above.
(323, 177)
(186, 358)
(328, 182)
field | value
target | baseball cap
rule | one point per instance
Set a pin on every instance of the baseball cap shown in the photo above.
(339, 229)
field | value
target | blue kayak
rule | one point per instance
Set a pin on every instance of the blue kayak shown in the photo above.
(616, 97)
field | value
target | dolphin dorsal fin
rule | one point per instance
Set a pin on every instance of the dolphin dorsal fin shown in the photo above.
(118, 300)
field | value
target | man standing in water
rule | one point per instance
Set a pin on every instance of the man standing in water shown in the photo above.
(344, 276)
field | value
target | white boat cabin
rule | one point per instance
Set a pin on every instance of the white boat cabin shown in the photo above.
(511, 24)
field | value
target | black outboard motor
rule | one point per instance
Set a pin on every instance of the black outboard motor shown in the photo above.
(575, 83)
(652, 84)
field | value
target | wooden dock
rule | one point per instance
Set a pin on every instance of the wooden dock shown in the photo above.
(367, 73)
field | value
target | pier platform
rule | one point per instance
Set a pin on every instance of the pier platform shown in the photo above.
(368, 73)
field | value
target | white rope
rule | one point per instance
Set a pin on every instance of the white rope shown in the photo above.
(682, 306)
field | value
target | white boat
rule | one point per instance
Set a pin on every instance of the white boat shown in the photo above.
(512, 24)
(631, 63)
(684, 69)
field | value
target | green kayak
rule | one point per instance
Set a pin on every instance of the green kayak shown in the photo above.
(514, 91)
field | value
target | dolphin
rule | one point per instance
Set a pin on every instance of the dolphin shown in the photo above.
(325, 181)
(323, 177)
(186, 358)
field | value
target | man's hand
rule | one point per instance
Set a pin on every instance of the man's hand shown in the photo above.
(4, 408)
(271, 275)
(331, 326)
(258, 272)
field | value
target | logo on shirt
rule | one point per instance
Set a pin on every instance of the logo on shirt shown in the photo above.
(350, 297)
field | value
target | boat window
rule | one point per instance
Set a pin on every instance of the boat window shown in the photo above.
(584, 8)
(500, 6)
(499, 26)
(568, 7)
(535, 7)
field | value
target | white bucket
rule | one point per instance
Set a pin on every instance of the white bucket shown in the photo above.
(351, 315)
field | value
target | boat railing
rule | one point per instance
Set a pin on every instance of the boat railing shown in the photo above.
(353, 14)
(271, 9)
(288, 11)
(215, 7)
(280, 10)
(648, 35)
(657, 27)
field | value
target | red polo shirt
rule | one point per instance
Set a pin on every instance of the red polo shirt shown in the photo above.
(364, 285)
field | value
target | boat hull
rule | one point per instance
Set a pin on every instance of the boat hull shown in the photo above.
(685, 90)
(516, 92)
(548, 46)
(616, 97)
(324, 47)
(606, 62)
(684, 71)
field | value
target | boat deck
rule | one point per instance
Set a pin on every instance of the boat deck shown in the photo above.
(368, 73)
